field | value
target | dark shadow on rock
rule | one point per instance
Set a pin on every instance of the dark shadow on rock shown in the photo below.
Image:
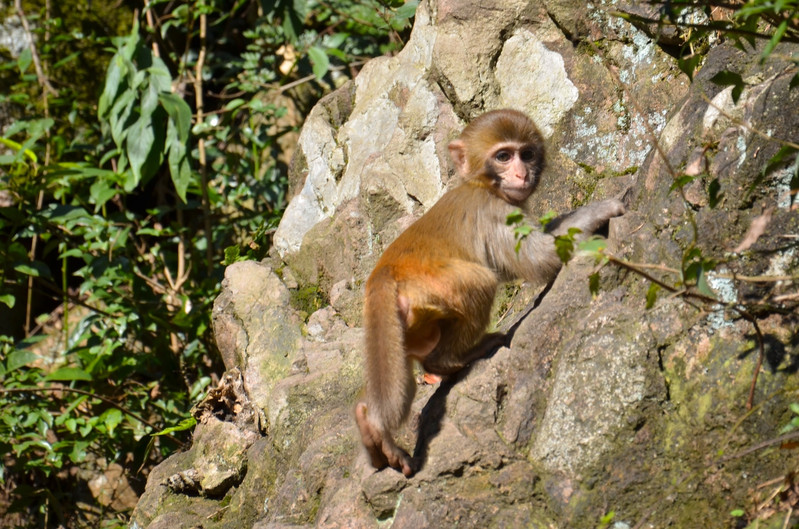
(776, 354)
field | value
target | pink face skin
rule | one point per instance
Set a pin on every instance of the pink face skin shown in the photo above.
(514, 167)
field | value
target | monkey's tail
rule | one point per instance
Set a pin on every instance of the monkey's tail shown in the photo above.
(390, 386)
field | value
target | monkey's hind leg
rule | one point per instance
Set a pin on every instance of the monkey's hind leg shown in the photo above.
(468, 308)
(435, 373)
(450, 362)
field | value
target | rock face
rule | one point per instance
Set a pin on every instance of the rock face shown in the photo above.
(603, 412)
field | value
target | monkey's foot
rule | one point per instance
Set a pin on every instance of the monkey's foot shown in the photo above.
(431, 379)
(382, 450)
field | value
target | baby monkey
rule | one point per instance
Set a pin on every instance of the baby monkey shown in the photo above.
(429, 297)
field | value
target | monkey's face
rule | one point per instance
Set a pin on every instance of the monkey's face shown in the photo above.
(515, 169)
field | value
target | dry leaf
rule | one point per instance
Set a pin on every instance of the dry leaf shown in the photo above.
(756, 229)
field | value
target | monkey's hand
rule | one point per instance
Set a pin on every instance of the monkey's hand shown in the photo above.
(589, 218)
(381, 448)
(609, 208)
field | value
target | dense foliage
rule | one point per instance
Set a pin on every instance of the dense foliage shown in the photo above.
(141, 150)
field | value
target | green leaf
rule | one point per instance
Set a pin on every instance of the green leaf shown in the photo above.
(737, 513)
(160, 77)
(232, 255)
(58, 214)
(185, 424)
(692, 272)
(336, 40)
(293, 19)
(702, 286)
(119, 119)
(514, 217)
(606, 519)
(144, 150)
(24, 60)
(34, 268)
(8, 299)
(319, 61)
(407, 10)
(111, 419)
(715, 195)
(71, 424)
(779, 159)
(177, 136)
(177, 160)
(775, 39)
(20, 358)
(522, 231)
(79, 451)
(595, 246)
(681, 181)
(235, 103)
(333, 52)
(652, 295)
(593, 284)
(66, 60)
(689, 65)
(564, 247)
(728, 78)
(547, 217)
(69, 373)
(19, 149)
(101, 192)
(179, 113)
(113, 77)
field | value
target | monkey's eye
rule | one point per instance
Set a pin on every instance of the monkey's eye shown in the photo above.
(527, 155)
(503, 156)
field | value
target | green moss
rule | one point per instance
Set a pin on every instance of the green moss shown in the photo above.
(587, 180)
(307, 300)
(504, 301)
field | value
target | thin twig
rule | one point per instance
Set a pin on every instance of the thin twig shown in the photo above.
(761, 354)
(44, 82)
(747, 126)
(725, 27)
(64, 294)
(148, 15)
(756, 279)
(47, 89)
(759, 446)
(201, 155)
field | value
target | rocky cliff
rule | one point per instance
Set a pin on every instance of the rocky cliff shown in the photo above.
(620, 408)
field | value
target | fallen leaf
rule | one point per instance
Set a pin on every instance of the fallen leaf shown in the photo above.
(756, 229)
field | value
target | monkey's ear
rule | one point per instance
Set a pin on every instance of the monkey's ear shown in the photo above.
(457, 150)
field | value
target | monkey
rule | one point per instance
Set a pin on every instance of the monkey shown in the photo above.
(429, 297)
